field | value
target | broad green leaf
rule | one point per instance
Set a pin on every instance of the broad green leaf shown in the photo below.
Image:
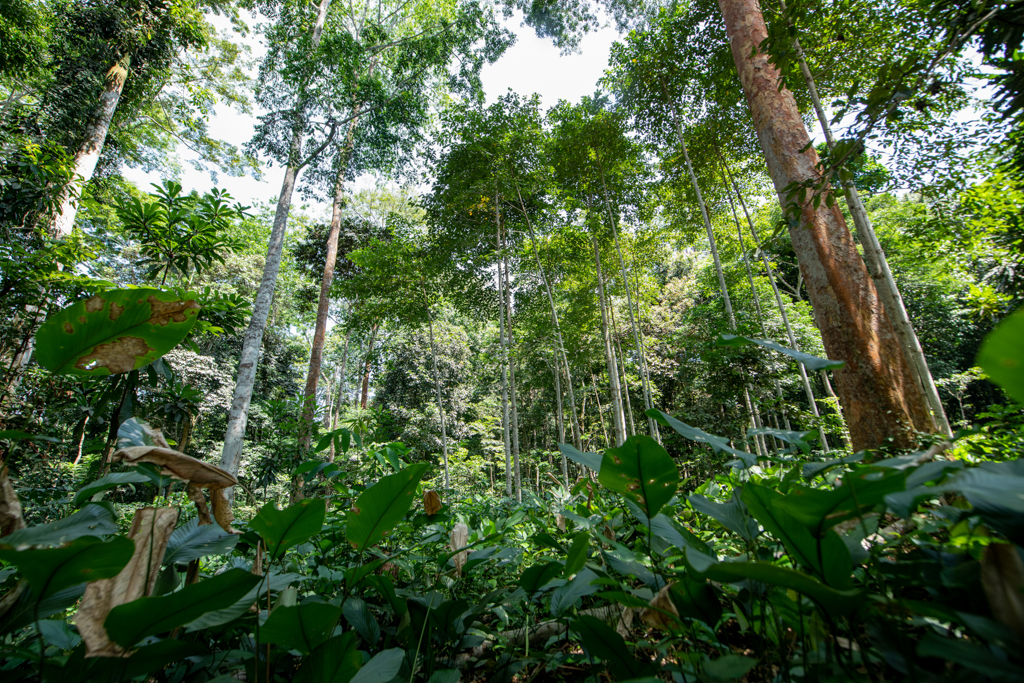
(972, 655)
(577, 556)
(538, 576)
(998, 496)
(191, 541)
(590, 460)
(696, 600)
(95, 519)
(300, 627)
(359, 617)
(112, 480)
(143, 661)
(380, 507)
(88, 558)
(25, 611)
(812, 469)
(445, 676)
(762, 504)
(700, 436)
(729, 667)
(283, 529)
(275, 582)
(834, 602)
(564, 597)
(732, 515)
(113, 332)
(129, 623)
(603, 642)
(861, 490)
(58, 633)
(799, 439)
(1002, 355)
(381, 668)
(335, 661)
(810, 362)
(641, 470)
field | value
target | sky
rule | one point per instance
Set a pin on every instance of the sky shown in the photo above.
(531, 65)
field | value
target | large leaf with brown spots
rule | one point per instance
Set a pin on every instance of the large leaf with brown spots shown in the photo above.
(642, 471)
(115, 331)
(380, 507)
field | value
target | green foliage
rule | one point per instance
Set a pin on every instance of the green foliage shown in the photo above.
(382, 506)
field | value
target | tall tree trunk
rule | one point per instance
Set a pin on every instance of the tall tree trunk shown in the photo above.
(89, 151)
(878, 265)
(618, 419)
(336, 415)
(323, 307)
(505, 428)
(238, 415)
(600, 412)
(440, 405)
(641, 360)
(560, 419)
(366, 368)
(560, 352)
(512, 384)
(717, 260)
(880, 397)
(624, 381)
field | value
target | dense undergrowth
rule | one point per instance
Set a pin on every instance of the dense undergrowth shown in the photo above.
(898, 566)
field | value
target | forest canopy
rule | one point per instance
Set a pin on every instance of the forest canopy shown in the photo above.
(716, 374)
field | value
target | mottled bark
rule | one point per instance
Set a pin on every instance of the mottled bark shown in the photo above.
(879, 396)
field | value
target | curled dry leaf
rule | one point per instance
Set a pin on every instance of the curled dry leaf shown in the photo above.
(151, 530)
(198, 474)
(1002, 577)
(459, 540)
(656, 616)
(560, 522)
(11, 518)
(431, 502)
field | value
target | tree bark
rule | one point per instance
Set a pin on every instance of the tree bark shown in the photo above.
(512, 385)
(440, 405)
(89, 151)
(878, 265)
(366, 368)
(238, 415)
(618, 419)
(506, 431)
(880, 398)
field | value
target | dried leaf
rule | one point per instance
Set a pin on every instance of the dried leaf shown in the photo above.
(151, 530)
(177, 465)
(195, 494)
(459, 540)
(222, 509)
(11, 518)
(658, 619)
(1002, 577)
(431, 502)
(560, 522)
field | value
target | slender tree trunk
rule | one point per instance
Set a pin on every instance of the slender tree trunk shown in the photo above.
(89, 151)
(645, 381)
(512, 385)
(506, 431)
(717, 260)
(625, 383)
(238, 415)
(880, 397)
(600, 412)
(323, 307)
(440, 405)
(618, 419)
(560, 353)
(366, 368)
(79, 437)
(560, 417)
(878, 265)
(342, 371)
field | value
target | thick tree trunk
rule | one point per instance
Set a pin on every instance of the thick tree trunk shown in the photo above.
(880, 398)
(618, 418)
(874, 257)
(89, 151)
(440, 405)
(238, 415)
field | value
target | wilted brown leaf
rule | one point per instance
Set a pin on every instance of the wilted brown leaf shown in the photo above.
(431, 502)
(151, 530)
(655, 614)
(1002, 577)
(459, 539)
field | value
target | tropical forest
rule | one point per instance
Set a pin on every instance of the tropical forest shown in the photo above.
(422, 341)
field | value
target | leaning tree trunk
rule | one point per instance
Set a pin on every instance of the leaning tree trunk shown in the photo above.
(877, 263)
(238, 415)
(316, 352)
(618, 419)
(718, 264)
(89, 151)
(440, 405)
(880, 397)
